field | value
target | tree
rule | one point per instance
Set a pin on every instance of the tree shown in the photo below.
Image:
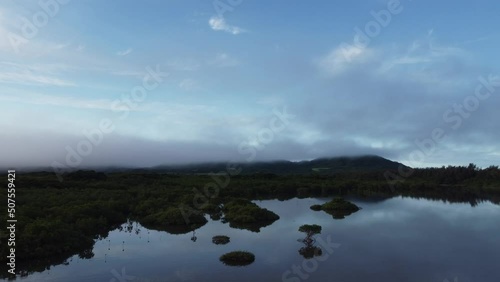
(310, 231)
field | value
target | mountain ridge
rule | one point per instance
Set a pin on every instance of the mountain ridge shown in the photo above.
(324, 165)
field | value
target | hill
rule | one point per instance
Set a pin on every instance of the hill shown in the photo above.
(320, 166)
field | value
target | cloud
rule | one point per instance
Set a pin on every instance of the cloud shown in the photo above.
(60, 46)
(347, 58)
(223, 60)
(351, 100)
(8, 33)
(51, 68)
(475, 40)
(32, 79)
(58, 100)
(32, 74)
(343, 57)
(390, 98)
(189, 84)
(5, 35)
(272, 100)
(13, 41)
(129, 151)
(132, 73)
(218, 23)
(184, 64)
(124, 52)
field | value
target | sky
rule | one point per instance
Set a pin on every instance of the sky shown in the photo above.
(144, 83)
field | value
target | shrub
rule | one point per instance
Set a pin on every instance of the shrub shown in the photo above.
(316, 207)
(220, 240)
(238, 258)
(339, 204)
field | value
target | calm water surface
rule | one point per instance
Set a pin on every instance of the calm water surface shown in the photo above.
(399, 239)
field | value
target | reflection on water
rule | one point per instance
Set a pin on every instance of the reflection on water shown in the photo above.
(398, 239)
(310, 251)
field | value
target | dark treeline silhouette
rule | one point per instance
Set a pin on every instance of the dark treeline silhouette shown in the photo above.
(459, 174)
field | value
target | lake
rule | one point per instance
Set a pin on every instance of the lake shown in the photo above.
(396, 239)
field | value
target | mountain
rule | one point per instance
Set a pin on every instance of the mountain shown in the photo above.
(322, 166)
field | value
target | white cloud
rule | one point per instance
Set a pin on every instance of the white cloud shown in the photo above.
(60, 46)
(272, 100)
(32, 74)
(13, 41)
(6, 32)
(419, 53)
(403, 60)
(45, 68)
(343, 57)
(32, 79)
(124, 52)
(184, 64)
(422, 53)
(475, 40)
(218, 23)
(223, 60)
(132, 73)
(56, 100)
(189, 84)
(413, 84)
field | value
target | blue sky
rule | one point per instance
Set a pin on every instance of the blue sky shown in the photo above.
(230, 65)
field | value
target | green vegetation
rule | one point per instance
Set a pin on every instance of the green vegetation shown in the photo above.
(238, 258)
(337, 207)
(220, 240)
(339, 204)
(57, 220)
(172, 221)
(243, 214)
(316, 207)
(310, 231)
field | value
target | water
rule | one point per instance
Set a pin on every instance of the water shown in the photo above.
(398, 239)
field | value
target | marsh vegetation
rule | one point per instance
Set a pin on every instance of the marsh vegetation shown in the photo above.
(337, 207)
(220, 240)
(59, 219)
(238, 258)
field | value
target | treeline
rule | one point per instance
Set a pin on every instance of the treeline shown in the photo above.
(466, 175)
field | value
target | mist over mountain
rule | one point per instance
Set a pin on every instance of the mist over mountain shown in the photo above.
(324, 165)
(320, 165)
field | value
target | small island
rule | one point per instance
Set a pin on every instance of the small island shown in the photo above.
(172, 221)
(220, 240)
(243, 214)
(337, 207)
(238, 258)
